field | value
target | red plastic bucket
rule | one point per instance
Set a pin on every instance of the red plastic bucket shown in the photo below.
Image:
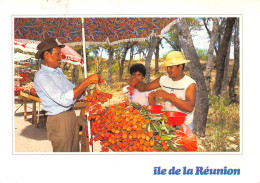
(175, 117)
(154, 109)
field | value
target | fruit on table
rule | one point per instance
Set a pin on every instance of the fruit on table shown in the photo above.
(17, 90)
(122, 128)
(126, 127)
(95, 98)
(29, 89)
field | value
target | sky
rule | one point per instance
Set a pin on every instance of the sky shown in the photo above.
(200, 40)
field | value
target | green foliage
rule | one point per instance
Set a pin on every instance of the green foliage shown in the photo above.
(194, 24)
(142, 47)
(77, 75)
(156, 75)
(66, 72)
(115, 68)
(219, 109)
(223, 126)
(106, 89)
(172, 35)
(81, 77)
(78, 49)
(91, 63)
(202, 54)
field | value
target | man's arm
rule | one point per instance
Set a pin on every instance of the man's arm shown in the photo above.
(93, 79)
(185, 105)
(141, 86)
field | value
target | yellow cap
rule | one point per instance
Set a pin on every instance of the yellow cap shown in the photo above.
(175, 58)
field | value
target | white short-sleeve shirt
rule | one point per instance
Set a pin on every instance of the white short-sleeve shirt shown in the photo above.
(179, 89)
(138, 97)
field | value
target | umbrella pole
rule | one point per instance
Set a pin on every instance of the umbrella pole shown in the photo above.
(85, 72)
(84, 48)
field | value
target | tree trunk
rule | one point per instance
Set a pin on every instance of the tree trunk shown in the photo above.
(225, 76)
(174, 47)
(110, 59)
(82, 69)
(232, 83)
(205, 22)
(121, 68)
(144, 55)
(209, 65)
(129, 65)
(221, 55)
(157, 49)
(131, 58)
(149, 58)
(122, 62)
(220, 33)
(99, 60)
(96, 62)
(140, 55)
(75, 75)
(196, 72)
(87, 64)
(131, 53)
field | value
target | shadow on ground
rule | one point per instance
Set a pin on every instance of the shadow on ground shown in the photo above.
(18, 114)
(35, 133)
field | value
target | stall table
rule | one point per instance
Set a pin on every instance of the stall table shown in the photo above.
(26, 97)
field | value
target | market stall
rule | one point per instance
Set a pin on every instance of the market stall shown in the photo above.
(122, 127)
(26, 98)
(40, 115)
(130, 127)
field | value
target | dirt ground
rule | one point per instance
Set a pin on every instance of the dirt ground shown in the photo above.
(27, 138)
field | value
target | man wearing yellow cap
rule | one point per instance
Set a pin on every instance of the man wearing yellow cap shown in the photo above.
(177, 89)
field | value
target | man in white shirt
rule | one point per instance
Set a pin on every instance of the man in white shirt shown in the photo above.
(177, 89)
(58, 96)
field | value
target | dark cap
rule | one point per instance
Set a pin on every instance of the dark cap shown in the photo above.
(46, 45)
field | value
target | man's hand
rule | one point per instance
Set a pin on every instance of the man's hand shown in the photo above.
(186, 104)
(163, 94)
(94, 79)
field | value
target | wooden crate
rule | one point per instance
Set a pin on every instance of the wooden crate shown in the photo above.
(84, 141)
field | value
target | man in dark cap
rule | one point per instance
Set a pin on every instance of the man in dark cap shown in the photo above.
(58, 96)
